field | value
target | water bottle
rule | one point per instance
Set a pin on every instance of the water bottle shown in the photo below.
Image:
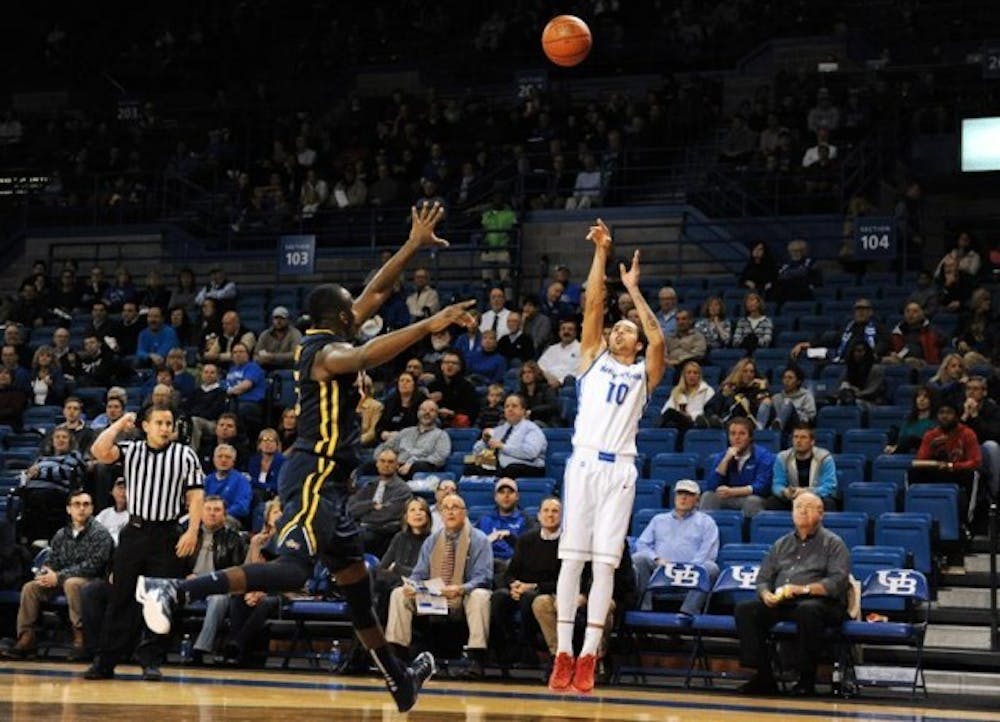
(836, 680)
(334, 657)
(186, 649)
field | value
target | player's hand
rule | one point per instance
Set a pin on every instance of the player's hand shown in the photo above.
(600, 235)
(457, 313)
(630, 278)
(187, 544)
(422, 225)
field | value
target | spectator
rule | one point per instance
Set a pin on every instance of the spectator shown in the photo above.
(29, 309)
(792, 405)
(445, 487)
(209, 326)
(368, 409)
(83, 436)
(921, 419)
(14, 336)
(681, 536)
(13, 400)
(686, 343)
(949, 380)
(666, 314)
(184, 294)
(982, 414)
(531, 573)
(495, 317)
(65, 299)
(276, 345)
(804, 579)
(403, 552)
(219, 288)
(748, 392)
(539, 398)
(115, 517)
(246, 386)
(183, 382)
(950, 453)
(207, 402)
(914, 341)
(588, 189)
(925, 294)
(687, 400)
(229, 484)
(453, 393)
(504, 523)
(863, 381)
(863, 328)
(155, 294)
(561, 359)
(45, 483)
(78, 551)
(740, 476)
(423, 447)
(114, 408)
(812, 154)
(760, 271)
(954, 286)
(978, 337)
(754, 330)
(460, 555)
(95, 288)
(288, 429)
(491, 412)
(739, 143)
(824, 114)
(227, 431)
(156, 340)
(219, 547)
(799, 276)
(219, 350)
(516, 344)
(127, 333)
(99, 365)
(497, 221)
(48, 387)
(485, 363)
(400, 410)
(518, 444)
(424, 301)
(121, 291)
(713, 324)
(378, 506)
(966, 255)
(264, 468)
(801, 468)
(537, 325)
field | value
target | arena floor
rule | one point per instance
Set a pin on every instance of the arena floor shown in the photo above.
(31, 692)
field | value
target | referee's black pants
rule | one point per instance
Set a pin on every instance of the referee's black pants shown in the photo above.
(143, 548)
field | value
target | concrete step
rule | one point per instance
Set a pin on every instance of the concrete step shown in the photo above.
(968, 598)
(957, 636)
(977, 562)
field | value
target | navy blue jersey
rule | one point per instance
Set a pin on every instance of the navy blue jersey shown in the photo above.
(328, 424)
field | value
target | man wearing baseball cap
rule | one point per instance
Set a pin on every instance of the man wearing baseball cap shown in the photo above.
(503, 524)
(276, 346)
(682, 535)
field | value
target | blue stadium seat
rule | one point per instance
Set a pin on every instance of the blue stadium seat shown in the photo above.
(812, 326)
(941, 502)
(671, 467)
(851, 526)
(726, 357)
(839, 418)
(36, 417)
(704, 441)
(892, 468)
(742, 553)
(730, 524)
(850, 468)
(896, 375)
(463, 439)
(641, 519)
(656, 441)
(885, 417)
(281, 393)
(767, 527)
(648, 494)
(798, 308)
(903, 395)
(559, 439)
(870, 497)
(870, 443)
(555, 464)
(866, 560)
(532, 491)
(455, 463)
(768, 438)
(825, 439)
(910, 530)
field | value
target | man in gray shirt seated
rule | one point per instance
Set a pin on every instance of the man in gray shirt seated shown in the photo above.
(423, 447)
(804, 579)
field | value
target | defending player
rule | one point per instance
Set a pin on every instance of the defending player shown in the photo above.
(315, 481)
(613, 385)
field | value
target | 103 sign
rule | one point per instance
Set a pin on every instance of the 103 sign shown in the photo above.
(296, 255)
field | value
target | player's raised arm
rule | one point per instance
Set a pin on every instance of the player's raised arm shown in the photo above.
(421, 236)
(592, 333)
(342, 358)
(656, 360)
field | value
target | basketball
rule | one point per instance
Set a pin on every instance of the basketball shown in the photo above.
(566, 40)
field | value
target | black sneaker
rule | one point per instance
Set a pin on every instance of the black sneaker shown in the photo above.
(158, 598)
(406, 691)
(152, 673)
(95, 671)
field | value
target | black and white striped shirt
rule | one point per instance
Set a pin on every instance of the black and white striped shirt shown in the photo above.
(157, 480)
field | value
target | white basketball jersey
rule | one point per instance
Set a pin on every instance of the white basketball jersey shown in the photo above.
(610, 398)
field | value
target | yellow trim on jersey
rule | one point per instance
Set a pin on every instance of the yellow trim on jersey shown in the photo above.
(329, 418)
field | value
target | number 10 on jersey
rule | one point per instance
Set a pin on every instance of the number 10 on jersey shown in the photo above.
(616, 393)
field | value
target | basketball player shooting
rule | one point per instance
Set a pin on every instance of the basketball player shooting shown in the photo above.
(613, 385)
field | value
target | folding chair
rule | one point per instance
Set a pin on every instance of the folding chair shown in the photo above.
(736, 583)
(882, 586)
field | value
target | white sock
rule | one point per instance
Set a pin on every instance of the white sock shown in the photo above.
(567, 590)
(598, 604)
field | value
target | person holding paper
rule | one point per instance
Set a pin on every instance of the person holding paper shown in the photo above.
(457, 560)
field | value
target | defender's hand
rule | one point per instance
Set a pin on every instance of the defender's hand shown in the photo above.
(422, 225)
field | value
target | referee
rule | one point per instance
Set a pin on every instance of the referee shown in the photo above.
(160, 476)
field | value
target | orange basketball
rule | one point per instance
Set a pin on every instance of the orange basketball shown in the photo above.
(566, 40)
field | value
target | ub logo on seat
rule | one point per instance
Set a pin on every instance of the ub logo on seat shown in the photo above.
(897, 581)
(745, 575)
(682, 575)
